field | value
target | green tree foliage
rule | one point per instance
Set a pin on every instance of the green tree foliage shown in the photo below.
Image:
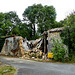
(46, 18)
(25, 31)
(1, 43)
(42, 16)
(58, 50)
(1, 22)
(12, 23)
(68, 35)
(57, 24)
(9, 23)
(30, 16)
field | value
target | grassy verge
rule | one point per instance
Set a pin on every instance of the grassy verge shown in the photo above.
(7, 70)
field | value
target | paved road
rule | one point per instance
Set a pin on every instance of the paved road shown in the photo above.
(27, 67)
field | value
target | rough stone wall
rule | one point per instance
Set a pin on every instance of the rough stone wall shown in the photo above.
(13, 46)
(21, 46)
(54, 35)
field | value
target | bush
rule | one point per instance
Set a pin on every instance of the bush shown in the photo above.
(1, 43)
(73, 59)
(58, 51)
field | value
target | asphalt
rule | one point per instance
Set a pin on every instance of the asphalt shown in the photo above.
(27, 67)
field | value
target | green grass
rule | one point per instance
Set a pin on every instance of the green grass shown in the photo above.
(7, 70)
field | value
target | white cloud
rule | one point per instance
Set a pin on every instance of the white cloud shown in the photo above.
(63, 7)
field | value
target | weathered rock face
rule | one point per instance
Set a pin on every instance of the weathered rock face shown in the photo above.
(13, 46)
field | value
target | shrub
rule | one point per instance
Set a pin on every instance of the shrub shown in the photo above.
(58, 50)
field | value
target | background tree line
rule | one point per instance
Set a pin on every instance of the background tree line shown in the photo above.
(36, 20)
(68, 35)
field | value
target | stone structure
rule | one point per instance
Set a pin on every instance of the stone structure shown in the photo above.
(13, 46)
(17, 46)
(54, 34)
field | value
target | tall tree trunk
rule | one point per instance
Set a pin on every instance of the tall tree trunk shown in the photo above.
(34, 30)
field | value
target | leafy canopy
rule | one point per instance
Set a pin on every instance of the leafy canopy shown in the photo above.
(42, 16)
(68, 35)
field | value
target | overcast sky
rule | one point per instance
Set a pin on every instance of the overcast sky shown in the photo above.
(63, 7)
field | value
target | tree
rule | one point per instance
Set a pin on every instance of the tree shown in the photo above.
(12, 23)
(1, 22)
(58, 24)
(42, 16)
(30, 16)
(9, 23)
(25, 31)
(68, 35)
(46, 18)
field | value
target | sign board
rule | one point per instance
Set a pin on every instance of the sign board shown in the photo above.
(50, 55)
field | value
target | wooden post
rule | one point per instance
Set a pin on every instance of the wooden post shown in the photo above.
(45, 42)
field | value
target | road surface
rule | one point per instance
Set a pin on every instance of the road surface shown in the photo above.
(27, 67)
